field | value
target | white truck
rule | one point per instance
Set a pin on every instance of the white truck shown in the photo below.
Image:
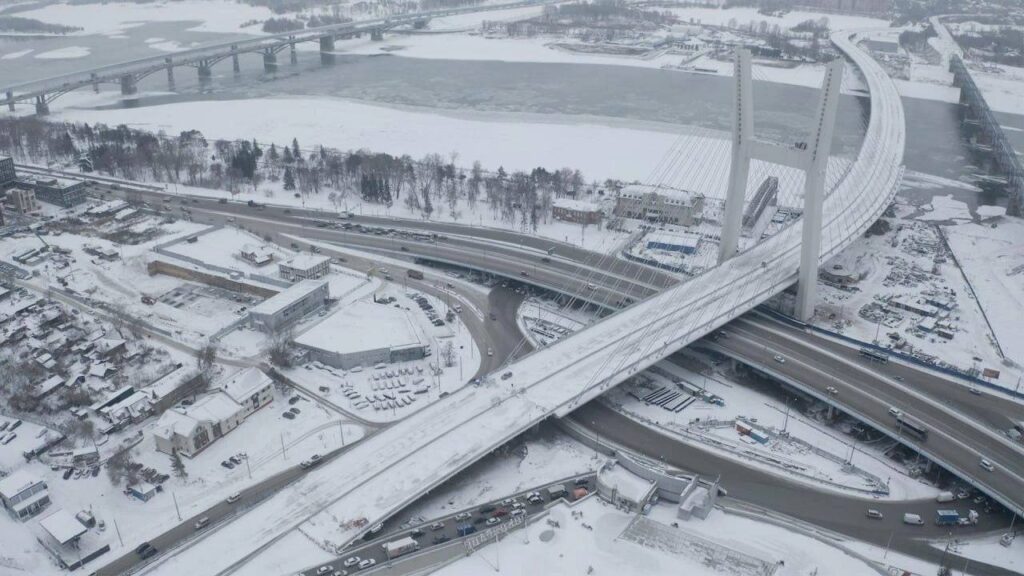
(396, 548)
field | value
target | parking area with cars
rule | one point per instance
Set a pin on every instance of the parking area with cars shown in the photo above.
(382, 543)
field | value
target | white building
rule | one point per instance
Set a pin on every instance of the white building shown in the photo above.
(23, 495)
(659, 204)
(289, 306)
(257, 254)
(250, 388)
(364, 334)
(304, 267)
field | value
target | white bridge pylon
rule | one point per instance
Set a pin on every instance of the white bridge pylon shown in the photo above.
(811, 158)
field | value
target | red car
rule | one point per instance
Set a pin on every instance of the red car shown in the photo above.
(500, 512)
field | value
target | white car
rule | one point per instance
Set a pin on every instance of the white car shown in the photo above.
(325, 569)
(367, 563)
(984, 463)
(518, 512)
(463, 515)
(493, 520)
(895, 411)
(351, 561)
(780, 359)
(832, 390)
(233, 498)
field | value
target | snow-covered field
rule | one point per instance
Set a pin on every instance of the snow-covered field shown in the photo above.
(71, 52)
(114, 18)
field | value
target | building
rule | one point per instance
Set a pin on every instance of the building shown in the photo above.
(766, 197)
(658, 204)
(304, 267)
(883, 44)
(287, 307)
(7, 173)
(365, 334)
(63, 193)
(672, 242)
(838, 275)
(250, 388)
(623, 488)
(917, 307)
(23, 495)
(143, 491)
(22, 200)
(577, 211)
(188, 430)
(257, 254)
(869, 7)
(697, 500)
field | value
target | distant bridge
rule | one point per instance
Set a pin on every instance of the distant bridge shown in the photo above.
(128, 74)
(990, 133)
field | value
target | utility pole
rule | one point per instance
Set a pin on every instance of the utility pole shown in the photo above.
(176, 510)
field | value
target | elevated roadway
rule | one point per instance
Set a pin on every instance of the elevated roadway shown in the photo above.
(386, 472)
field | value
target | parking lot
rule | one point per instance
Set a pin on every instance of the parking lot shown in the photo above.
(369, 553)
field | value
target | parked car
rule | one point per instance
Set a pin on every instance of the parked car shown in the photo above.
(368, 563)
(872, 513)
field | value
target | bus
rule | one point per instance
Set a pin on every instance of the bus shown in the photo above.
(912, 427)
(874, 355)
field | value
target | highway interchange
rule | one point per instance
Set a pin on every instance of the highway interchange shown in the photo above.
(507, 253)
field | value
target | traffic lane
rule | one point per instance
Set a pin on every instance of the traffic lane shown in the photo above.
(854, 372)
(996, 410)
(504, 304)
(835, 511)
(873, 402)
(444, 529)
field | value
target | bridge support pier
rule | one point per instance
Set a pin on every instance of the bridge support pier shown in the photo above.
(10, 101)
(292, 54)
(377, 35)
(814, 190)
(235, 66)
(128, 85)
(95, 83)
(170, 73)
(42, 107)
(742, 131)
(326, 49)
(269, 61)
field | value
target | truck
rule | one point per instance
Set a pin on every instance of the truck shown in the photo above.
(945, 497)
(557, 491)
(465, 529)
(947, 517)
(403, 545)
(414, 274)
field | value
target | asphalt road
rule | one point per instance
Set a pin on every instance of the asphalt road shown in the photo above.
(440, 531)
(958, 443)
(219, 513)
(831, 510)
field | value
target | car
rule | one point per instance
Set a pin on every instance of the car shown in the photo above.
(591, 286)
(149, 553)
(872, 513)
(227, 464)
(490, 351)
(403, 248)
(895, 411)
(523, 273)
(233, 498)
(974, 391)
(500, 512)
(506, 375)
(222, 201)
(376, 528)
(416, 532)
(67, 473)
(463, 516)
(987, 465)
(142, 548)
(437, 526)
(288, 415)
(340, 573)
(202, 523)
(493, 520)
(913, 519)
(780, 359)
(325, 569)
(352, 561)
(486, 509)
(508, 501)
(294, 410)
(369, 562)
(441, 539)
(518, 512)
(545, 259)
(832, 390)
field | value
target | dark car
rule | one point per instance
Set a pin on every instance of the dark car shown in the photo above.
(441, 539)
(68, 473)
(149, 553)
(486, 509)
(227, 464)
(142, 548)
(295, 410)
(288, 415)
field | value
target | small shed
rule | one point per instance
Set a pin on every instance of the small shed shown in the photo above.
(143, 491)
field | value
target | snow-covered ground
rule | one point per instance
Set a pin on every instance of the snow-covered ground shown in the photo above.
(993, 260)
(68, 53)
(988, 550)
(114, 18)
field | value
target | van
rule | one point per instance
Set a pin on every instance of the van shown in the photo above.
(945, 497)
(872, 513)
(913, 519)
(202, 522)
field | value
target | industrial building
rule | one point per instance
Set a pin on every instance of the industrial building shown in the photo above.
(365, 334)
(63, 193)
(289, 306)
(22, 200)
(23, 495)
(673, 242)
(304, 267)
(659, 204)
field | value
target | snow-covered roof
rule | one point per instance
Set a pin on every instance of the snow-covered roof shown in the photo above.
(213, 408)
(305, 261)
(125, 214)
(243, 384)
(676, 194)
(286, 298)
(577, 205)
(674, 239)
(628, 485)
(364, 326)
(49, 385)
(63, 526)
(173, 422)
(16, 483)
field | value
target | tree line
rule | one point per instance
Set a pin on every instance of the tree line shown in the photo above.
(430, 186)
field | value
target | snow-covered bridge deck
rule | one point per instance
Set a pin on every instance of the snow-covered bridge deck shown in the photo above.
(391, 469)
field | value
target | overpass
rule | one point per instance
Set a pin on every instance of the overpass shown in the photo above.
(962, 428)
(128, 74)
(387, 472)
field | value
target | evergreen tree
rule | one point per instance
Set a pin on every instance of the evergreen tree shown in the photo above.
(273, 155)
(289, 179)
(288, 159)
(177, 466)
(295, 149)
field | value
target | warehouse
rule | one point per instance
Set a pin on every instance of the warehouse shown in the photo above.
(365, 334)
(290, 306)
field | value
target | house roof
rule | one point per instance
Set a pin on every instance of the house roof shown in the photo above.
(17, 482)
(63, 526)
(289, 296)
(243, 384)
